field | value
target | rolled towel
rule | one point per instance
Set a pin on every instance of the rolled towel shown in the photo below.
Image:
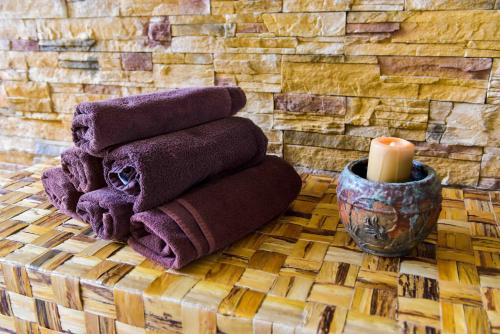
(99, 125)
(108, 212)
(214, 214)
(83, 170)
(154, 171)
(61, 192)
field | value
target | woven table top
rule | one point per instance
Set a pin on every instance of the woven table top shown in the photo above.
(299, 274)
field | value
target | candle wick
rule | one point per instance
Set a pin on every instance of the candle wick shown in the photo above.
(392, 143)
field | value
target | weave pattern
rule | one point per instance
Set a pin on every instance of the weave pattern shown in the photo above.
(299, 274)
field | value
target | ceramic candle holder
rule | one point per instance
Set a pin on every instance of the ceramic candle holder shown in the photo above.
(388, 219)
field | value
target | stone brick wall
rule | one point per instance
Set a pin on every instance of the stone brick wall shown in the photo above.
(322, 77)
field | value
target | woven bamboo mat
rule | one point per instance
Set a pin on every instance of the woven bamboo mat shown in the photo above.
(300, 274)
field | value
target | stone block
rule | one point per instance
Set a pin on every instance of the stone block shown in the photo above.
(443, 67)
(309, 103)
(258, 103)
(159, 31)
(247, 63)
(266, 83)
(377, 131)
(33, 9)
(305, 24)
(32, 90)
(12, 60)
(439, 111)
(342, 79)
(210, 29)
(364, 28)
(93, 8)
(367, 5)
(264, 121)
(448, 27)
(251, 28)
(490, 165)
(107, 28)
(18, 29)
(472, 125)
(452, 171)
(319, 157)
(84, 65)
(67, 45)
(24, 45)
(137, 61)
(327, 140)
(360, 110)
(308, 122)
(11, 126)
(257, 6)
(377, 16)
(164, 7)
(260, 44)
(316, 46)
(176, 76)
(196, 44)
(65, 103)
(449, 4)
(454, 93)
(471, 153)
(315, 5)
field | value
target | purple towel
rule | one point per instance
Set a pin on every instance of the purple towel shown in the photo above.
(97, 126)
(83, 170)
(61, 192)
(214, 214)
(108, 212)
(154, 171)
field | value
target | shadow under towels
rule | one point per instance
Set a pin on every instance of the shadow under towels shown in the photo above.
(83, 170)
(61, 192)
(215, 214)
(97, 126)
(154, 171)
(108, 212)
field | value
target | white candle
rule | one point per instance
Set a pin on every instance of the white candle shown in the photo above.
(390, 160)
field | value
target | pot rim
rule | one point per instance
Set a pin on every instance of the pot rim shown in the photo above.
(431, 174)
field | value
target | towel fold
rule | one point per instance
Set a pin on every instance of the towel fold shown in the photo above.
(108, 212)
(214, 214)
(83, 170)
(61, 192)
(97, 126)
(154, 171)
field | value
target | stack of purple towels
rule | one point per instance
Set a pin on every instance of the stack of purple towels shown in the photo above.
(173, 173)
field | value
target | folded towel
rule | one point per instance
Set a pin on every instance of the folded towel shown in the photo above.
(154, 171)
(214, 214)
(61, 192)
(108, 212)
(83, 170)
(99, 125)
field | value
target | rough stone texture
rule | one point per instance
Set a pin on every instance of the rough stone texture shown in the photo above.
(308, 103)
(360, 28)
(163, 7)
(443, 67)
(472, 124)
(134, 61)
(322, 77)
(306, 25)
(33, 9)
(159, 32)
(449, 4)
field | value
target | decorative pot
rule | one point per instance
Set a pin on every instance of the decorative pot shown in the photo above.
(388, 219)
